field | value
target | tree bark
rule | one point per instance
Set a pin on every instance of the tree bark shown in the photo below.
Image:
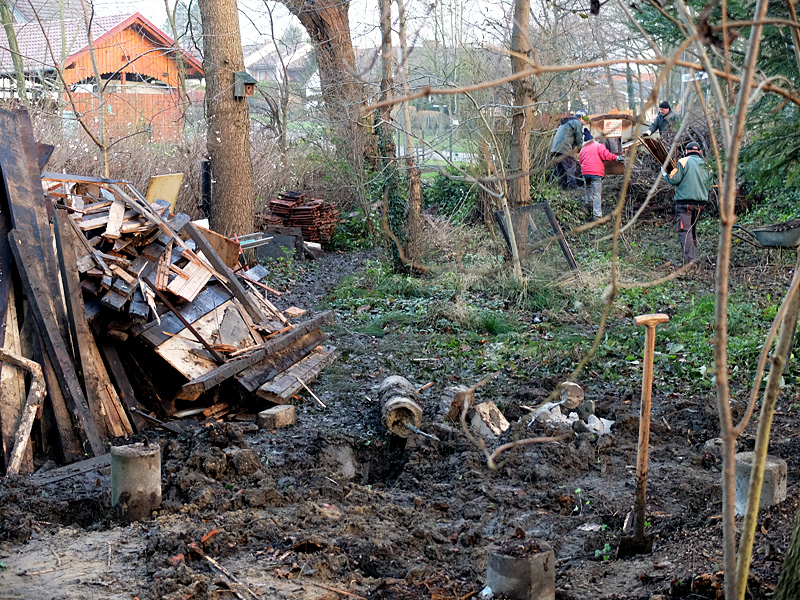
(519, 157)
(13, 46)
(228, 120)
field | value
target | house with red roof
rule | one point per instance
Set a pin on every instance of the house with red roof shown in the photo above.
(138, 65)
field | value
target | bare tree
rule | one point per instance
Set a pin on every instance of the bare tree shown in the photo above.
(19, 69)
(519, 156)
(228, 119)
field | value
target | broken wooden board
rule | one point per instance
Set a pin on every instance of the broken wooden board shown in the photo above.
(281, 389)
(190, 281)
(227, 248)
(212, 297)
(258, 374)
(12, 388)
(115, 215)
(194, 389)
(186, 354)
(233, 331)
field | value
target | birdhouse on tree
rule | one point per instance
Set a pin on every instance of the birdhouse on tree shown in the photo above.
(244, 85)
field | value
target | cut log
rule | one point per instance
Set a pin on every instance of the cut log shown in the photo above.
(287, 384)
(195, 388)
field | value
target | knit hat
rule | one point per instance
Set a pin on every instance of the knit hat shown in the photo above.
(587, 135)
(580, 114)
(664, 104)
(693, 147)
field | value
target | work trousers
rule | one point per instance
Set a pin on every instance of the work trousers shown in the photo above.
(565, 169)
(592, 194)
(687, 214)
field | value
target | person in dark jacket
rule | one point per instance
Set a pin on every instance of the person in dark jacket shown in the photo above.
(568, 138)
(666, 121)
(692, 181)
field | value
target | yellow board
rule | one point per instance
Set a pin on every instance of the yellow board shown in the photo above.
(165, 187)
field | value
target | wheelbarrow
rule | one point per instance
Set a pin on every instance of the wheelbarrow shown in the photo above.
(779, 235)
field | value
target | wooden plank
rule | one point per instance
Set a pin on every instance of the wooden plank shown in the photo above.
(227, 248)
(165, 187)
(104, 403)
(233, 330)
(195, 388)
(35, 396)
(176, 223)
(114, 301)
(67, 178)
(99, 221)
(232, 282)
(287, 384)
(209, 299)
(12, 384)
(121, 382)
(115, 215)
(257, 375)
(79, 468)
(190, 281)
(185, 353)
(54, 345)
(123, 274)
(162, 271)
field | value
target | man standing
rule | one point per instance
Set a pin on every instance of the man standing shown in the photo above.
(593, 170)
(692, 181)
(666, 120)
(568, 138)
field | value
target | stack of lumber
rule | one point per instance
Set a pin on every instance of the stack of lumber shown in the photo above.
(316, 218)
(122, 313)
(659, 151)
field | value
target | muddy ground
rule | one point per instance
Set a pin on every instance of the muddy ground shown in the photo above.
(333, 506)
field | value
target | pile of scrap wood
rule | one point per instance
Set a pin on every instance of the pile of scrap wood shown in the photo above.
(115, 316)
(316, 218)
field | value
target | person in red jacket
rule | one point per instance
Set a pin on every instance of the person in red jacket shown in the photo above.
(593, 170)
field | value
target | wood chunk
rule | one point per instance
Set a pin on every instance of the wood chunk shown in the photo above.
(294, 312)
(123, 274)
(86, 264)
(115, 215)
(233, 330)
(287, 384)
(276, 417)
(139, 310)
(114, 301)
(12, 383)
(177, 223)
(162, 270)
(35, 396)
(153, 251)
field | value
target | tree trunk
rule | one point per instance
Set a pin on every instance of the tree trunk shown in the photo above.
(414, 197)
(519, 157)
(789, 581)
(228, 120)
(13, 46)
(328, 26)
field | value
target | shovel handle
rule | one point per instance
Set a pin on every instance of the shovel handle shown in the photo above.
(649, 321)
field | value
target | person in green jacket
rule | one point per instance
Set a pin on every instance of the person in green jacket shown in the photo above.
(568, 139)
(692, 182)
(666, 121)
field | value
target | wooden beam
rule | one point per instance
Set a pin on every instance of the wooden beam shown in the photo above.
(110, 356)
(195, 388)
(104, 403)
(258, 374)
(231, 281)
(35, 396)
(38, 291)
(287, 384)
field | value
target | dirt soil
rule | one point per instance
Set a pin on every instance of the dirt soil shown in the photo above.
(333, 507)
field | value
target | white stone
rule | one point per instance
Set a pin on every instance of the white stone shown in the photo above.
(488, 421)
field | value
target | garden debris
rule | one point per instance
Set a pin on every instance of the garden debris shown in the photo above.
(122, 297)
(571, 395)
(487, 420)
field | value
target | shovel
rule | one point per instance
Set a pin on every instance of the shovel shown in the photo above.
(639, 543)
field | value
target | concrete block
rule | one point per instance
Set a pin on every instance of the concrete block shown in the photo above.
(571, 395)
(525, 578)
(277, 417)
(773, 490)
(487, 420)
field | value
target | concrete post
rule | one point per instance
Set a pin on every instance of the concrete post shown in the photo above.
(136, 480)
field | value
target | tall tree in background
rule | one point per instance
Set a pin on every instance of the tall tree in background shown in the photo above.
(228, 120)
(328, 25)
(13, 46)
(519, 155)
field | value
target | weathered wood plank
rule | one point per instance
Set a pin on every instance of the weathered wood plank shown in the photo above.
(37, 292)
(195, 388)
(257, 375)
(120, 378)
(115, 215)
(287, 384)
(104, 403)
(23, 436)
(79, 468)
(12, 384)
